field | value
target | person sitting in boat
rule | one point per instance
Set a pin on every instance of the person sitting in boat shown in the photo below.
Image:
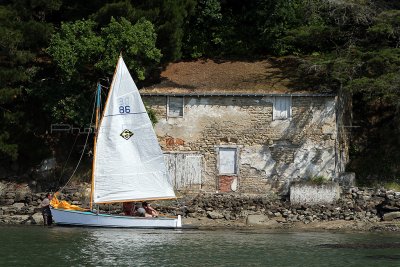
(150, 212)
(140, 211)
(128, 208)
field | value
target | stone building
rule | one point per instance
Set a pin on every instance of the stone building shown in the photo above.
(244, 127)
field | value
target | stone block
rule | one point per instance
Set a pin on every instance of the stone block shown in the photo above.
(19, 219)
(22, 193)
(346, 179)
(18, 205)
(312, 194)
(391, 216)
(257, 219)
(10, 195)
(214, 215)
(37, 218)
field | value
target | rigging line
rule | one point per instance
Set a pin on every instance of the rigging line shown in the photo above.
(70, 152)
(66, 162)
(83, 151)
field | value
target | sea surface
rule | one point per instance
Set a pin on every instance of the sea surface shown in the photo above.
(74, 246)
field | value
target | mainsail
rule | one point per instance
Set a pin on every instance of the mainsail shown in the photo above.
(128, 163)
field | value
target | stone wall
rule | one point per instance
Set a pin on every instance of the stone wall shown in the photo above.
(271, 154)
(19, 205)
(355, 204)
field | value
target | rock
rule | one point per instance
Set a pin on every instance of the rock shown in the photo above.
(22, 193)
(19, 219)
(37, 218)
(261, 220)
(256, 219)
(8, 201)
(18, 205)
(280, 219)
(391, 216)
(347, 179)
(10, 195)
(214, 215)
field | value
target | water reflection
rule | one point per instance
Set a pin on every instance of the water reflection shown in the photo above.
(128, 247)
(125, 246)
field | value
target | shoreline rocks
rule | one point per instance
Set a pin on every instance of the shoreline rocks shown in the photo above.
(358, 208)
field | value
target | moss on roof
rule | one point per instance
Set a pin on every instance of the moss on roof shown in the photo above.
(273, 75)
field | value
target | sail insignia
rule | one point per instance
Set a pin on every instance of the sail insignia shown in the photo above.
(126, 134)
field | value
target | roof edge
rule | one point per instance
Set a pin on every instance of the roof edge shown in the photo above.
(236, 94)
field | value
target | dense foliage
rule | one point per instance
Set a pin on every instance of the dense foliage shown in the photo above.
(54, 52)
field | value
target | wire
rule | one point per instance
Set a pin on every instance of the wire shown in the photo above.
(83, 151)
(66, 162)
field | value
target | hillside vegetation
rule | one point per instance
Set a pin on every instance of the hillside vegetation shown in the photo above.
(52, 54)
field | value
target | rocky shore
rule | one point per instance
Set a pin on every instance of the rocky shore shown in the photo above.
(358, 209)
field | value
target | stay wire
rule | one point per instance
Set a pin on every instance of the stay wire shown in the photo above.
(83, 151)
(72, 149)
(66, 162)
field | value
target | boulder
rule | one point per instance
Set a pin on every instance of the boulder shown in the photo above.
(391, 216)
(18, 206)
(257, 219)
(10, 195)
(214, 215)
(22, 192)
(19, 219)
(37, 218)
(3, 187)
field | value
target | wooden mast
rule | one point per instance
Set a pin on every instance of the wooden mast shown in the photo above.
(98, 120)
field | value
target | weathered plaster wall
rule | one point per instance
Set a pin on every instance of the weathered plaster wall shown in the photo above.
(271, 153)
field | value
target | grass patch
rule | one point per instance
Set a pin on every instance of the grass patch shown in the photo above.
(318, 180)
(392, 186)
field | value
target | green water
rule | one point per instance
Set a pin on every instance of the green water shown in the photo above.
(58, 246)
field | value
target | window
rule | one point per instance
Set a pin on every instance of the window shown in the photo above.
(175, 106)
(227, 160)
(282, 108)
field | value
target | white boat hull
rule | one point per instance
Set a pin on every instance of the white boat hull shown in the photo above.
(85, 218)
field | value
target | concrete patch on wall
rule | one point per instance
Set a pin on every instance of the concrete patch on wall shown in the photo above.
(258, 157)
(311, 159)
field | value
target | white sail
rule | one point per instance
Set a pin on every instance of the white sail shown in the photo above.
(128, 162)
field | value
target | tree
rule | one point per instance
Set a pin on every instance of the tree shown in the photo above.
(23, 32)
(83, 54)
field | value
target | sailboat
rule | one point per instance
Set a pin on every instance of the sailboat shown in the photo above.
(128, 164)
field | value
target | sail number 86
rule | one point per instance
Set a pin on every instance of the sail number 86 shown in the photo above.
(124, 109)
(124, 106)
